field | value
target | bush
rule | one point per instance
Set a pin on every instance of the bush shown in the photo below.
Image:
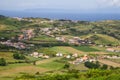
(66, 66)
(18, 56)
(92, 65)
(3, 62)
(104, 66)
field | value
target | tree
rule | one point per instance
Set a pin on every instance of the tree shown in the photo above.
(18, 56)
(34, 62)
(66, 66)
(111, 67)
(92, 65)
(104, 66)
(3, 62)
(97, 64)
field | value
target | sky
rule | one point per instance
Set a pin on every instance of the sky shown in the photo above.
(77, 6)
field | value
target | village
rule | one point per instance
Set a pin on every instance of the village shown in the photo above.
(18, 45)
(56, 45)
(75, 58)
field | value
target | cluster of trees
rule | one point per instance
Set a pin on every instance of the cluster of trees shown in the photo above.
(3, 62)
(96, 65)
(18, 56)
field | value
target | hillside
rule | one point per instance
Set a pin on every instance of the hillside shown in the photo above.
(102, 39)
(108, 30)
(33, 48)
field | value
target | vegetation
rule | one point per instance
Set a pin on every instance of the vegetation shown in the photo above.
(89, 75)
(3, 62)
(65, 50)
(86, 48)
(66, 66)
(22, 64)
(92, 65)
(18, 56)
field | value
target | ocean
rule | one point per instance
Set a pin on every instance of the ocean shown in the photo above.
(68, 16)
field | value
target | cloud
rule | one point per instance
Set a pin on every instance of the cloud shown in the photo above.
(115, 3)
(110, 3)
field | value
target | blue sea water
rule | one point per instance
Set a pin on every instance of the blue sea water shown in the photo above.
(70, 16)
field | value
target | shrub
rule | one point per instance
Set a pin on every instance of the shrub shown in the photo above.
(66, 66)
(18, 56)
(104, 66)
(3, 62)
(92, 65)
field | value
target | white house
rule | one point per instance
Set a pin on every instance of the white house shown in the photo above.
(75, 55)
(68, 56)
(59, 54)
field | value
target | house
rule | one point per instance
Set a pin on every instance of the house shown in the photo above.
(92, 60)
(71, 41)
(85, 57)
(21, 37)
(18, 45)
(59, 54)
(68, 56)
(19, 19)
(27, 34)
(40, 55)
(110, 49)
(75, 55)
(45, 29)
(35, 53)
(60, 39)
(46, 56)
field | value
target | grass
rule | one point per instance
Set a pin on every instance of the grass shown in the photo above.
(66, 50)
(11, 66)
(102, 39)
(115, 60)
(110, 63)
(7, 56)
(79, 67)
(43, 38)
(106, 39)
(86, 49)
(52, 65)
(13, 70)
(2, 27)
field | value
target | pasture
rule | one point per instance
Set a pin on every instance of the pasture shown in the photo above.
(66, 50)
(86, 49)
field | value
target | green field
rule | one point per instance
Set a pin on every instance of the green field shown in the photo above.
(65, 50)
(102, 39)
(13, 70)
(8, 56)
(79, 67)
(52, 65)
(86, 49)
(43, 38)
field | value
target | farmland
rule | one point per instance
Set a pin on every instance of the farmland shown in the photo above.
(48, 49)
(66, 50)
